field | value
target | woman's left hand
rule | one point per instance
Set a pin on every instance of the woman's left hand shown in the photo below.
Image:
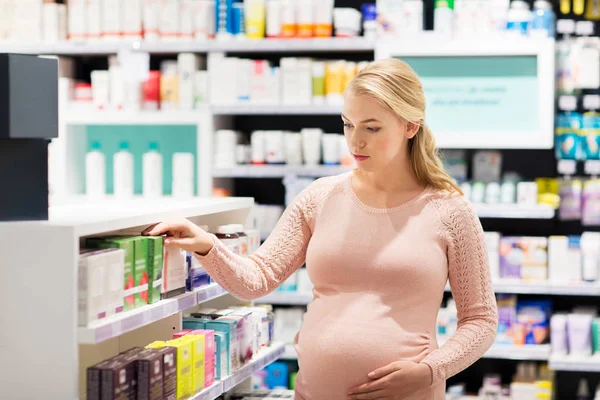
(394, 382)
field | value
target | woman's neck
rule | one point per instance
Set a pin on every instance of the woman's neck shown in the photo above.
(395, 177)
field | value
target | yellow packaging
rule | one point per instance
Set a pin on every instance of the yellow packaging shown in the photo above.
(351, 70)
(335, 76)
(159, 344)
(198, 345)
(184, 367)
(255, 18)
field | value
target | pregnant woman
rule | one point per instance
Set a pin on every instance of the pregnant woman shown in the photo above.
(379, 243)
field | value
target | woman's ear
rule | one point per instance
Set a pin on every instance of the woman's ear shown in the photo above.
(411, 129)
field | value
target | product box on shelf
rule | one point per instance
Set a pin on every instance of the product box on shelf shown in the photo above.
(112, 19)
(174, 273)
(184, 366)
(169, 357)
(195, 323)
(141, 267)
(77, 14)
(92, 296)
(127, 245)
(245, 333)
(524, 257)
(230, 328)
(132, 19)
(155, 268)
(222, 355)
(150, 374)
(209, 355)
(111, 379)
(198, 346)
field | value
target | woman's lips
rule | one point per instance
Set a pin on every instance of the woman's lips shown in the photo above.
(359, 157)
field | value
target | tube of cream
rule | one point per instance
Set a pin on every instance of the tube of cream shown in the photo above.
(579, 327)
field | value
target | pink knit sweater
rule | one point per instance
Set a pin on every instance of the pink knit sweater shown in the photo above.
(379, 277)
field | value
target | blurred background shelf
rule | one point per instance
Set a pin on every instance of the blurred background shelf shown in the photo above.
(278, 109)
(279, 171)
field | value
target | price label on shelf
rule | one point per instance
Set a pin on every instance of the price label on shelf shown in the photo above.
(567, 167)
(565, 26)
(567, 103)
(592, 167)
(591, 102)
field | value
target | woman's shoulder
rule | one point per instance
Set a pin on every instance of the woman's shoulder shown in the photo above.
(451, 205)
(320, 190)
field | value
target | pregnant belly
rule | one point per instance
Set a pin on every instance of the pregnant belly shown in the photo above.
(335, 355)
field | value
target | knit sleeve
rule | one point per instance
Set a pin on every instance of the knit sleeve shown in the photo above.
(277, 259)
(469, 275)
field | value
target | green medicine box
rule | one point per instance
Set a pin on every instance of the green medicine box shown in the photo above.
(141, 271)
(155, 268)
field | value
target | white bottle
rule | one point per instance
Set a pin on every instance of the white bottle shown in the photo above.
(590, 252)
(152, 172)
(95, 172)
(519, 18)
(443, 17)
(183, 175)
(123, 171)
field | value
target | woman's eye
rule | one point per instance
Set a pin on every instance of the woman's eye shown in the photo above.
(346, 125)
(373, 129)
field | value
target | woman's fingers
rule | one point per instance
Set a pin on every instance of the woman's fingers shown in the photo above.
(162, 228)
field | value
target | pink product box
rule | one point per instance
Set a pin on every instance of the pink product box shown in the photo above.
(245, 333)
(184, 332)
(209, 355)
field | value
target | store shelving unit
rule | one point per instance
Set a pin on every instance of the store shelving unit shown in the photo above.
(497, 351)
(113, 327)
(42, 325)
(287, 298)
(279, 171)
(276, 109)
(575, 364)
(264, 358)
(515, 211)
(73, 48)
(91, 116)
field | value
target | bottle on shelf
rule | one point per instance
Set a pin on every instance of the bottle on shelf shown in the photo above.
(123, 171)
(152, 172)
(95, 172)
(443, 17)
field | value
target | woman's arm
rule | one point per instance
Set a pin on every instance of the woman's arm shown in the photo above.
(469, 275)
(278, 258)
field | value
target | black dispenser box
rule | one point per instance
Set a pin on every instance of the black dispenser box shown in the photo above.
(28, 120)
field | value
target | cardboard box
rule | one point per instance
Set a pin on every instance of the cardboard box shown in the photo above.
(184, 367)
(91, 286)
(132, 19)
(222, 355)
(169, 25)
(150, 375)
(112, 19)
(155, 268)
(141, 271)
(209, 355)
(77, 20)
(198, 346)
(94, 19)
(524, 257)
(230, 328)
(151, 17)
(174, 275)
(127, 245)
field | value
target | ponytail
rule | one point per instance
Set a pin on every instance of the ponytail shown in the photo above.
(426, 163)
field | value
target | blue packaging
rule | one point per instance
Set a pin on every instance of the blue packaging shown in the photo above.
(544, 20)
(568, 139)
(229, 327)
(221, 355)
(278, 375)
(238, 19)
(195, 323)
(533, 317)
(590, 135)
(224, 17)
(197, 276)
(369, 12)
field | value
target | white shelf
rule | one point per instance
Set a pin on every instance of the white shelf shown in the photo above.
(264, 358)
(280, 109)
(90, 116)
(194, 46)
(279, 171)
(516, 286)
(520, 353)
(111, 214)
(576, 364)
(210, 393)
(119, 324)
(497, 351)
(514, 211)
(287, 298)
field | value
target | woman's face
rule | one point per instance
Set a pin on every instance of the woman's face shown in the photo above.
(376, 136)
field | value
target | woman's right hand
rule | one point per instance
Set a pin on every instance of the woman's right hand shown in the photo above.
(184, 234)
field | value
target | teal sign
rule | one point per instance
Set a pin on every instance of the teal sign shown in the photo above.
(483, 95)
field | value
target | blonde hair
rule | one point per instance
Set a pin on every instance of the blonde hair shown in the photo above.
(394, 84)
